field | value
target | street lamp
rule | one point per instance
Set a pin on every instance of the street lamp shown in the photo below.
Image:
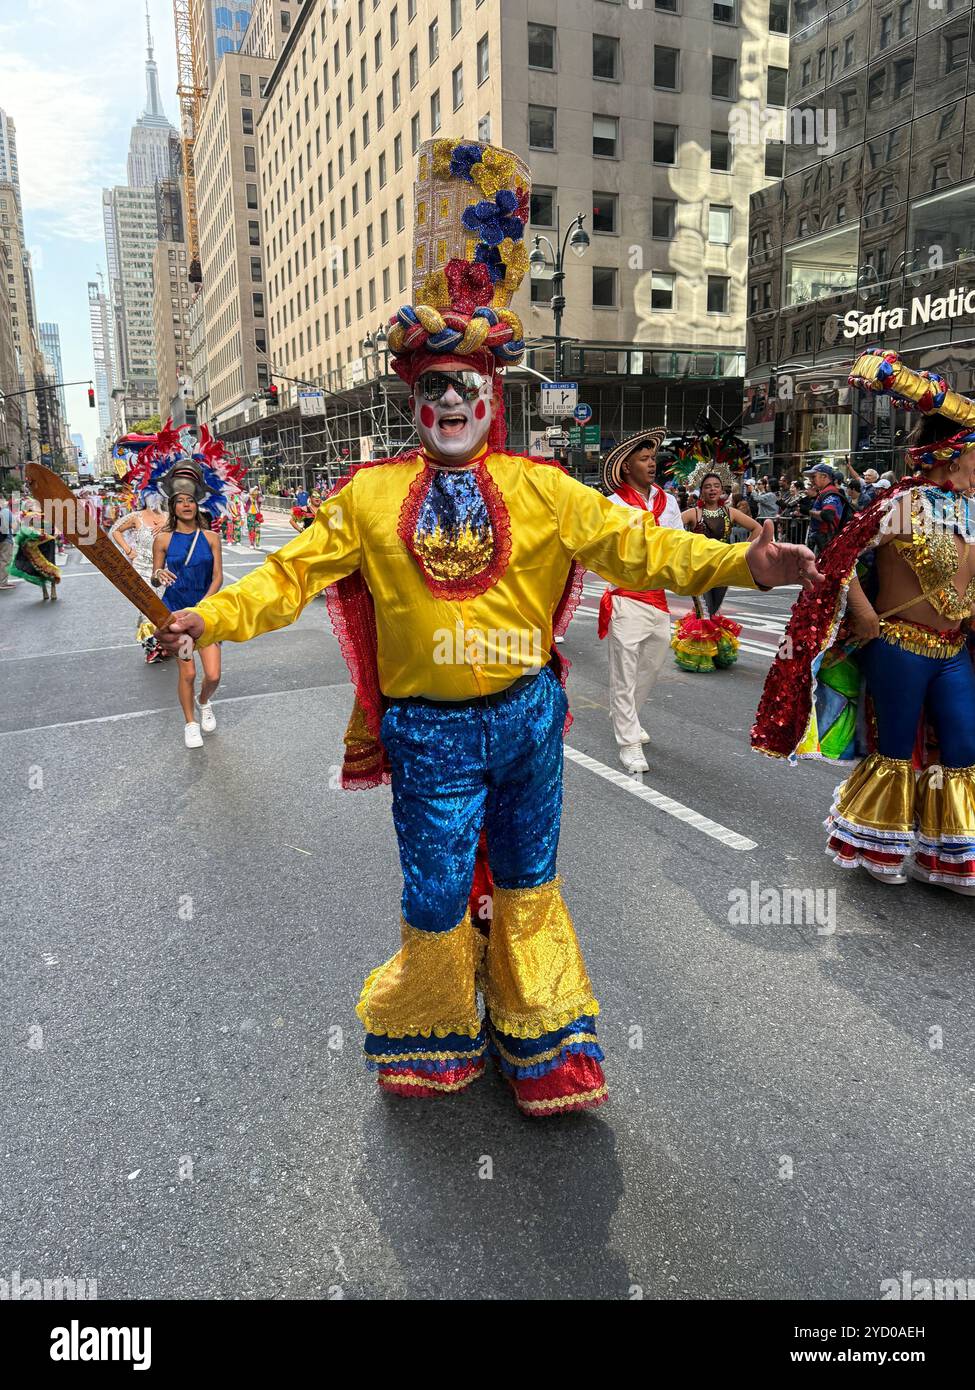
(575, 238)
(376, 344)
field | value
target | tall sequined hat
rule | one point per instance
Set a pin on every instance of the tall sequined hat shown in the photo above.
(470, 210)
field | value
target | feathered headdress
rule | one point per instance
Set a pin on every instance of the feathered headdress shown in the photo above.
(152, 467)
(707, 451)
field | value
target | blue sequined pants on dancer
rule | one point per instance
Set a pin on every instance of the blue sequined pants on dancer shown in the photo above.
(885, 813)
(496, 765)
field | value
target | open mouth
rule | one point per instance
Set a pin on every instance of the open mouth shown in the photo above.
(452, 425)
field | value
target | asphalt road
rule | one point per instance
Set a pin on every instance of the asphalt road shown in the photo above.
(185, 1113)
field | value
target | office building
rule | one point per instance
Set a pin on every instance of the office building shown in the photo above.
(171, 325)
(626, 115)
(869, 239)
(231, 238)
(149, 145)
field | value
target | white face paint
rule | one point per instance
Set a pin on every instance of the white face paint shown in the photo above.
(451, 429)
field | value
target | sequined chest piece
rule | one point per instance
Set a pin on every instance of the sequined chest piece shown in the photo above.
(456, 527)
(936, 519)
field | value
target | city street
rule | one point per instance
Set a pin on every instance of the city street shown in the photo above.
(186, 1109)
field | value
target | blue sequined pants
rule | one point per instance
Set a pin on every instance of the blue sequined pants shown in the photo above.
(456, 771)
(453, 771)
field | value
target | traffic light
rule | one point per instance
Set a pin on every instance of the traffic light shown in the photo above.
(272, 393)
(91, 397)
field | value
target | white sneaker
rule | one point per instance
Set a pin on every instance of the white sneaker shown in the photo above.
(632, 758)
(192, 736)
(881, 876)
(924, 876)
(644, 736)
(559, 641)
(208, 720)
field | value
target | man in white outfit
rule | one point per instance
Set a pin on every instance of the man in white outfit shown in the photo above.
(637, 624)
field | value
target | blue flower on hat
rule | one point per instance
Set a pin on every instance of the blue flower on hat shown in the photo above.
(491, 257)
(463, 159)
(492, 218)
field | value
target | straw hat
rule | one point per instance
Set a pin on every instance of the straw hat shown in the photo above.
(615, 459)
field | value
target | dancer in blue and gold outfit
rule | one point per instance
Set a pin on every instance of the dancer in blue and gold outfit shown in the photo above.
(449, 572)
(896, 610)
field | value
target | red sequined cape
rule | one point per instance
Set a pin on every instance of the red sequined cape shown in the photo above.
(787, 699)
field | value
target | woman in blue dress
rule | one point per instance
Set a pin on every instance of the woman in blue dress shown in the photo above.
(187, 561)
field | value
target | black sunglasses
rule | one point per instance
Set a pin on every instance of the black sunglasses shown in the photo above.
(433, 385)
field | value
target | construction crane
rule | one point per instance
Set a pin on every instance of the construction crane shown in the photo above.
(192, 93)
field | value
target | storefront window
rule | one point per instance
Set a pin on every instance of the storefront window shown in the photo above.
(821, 266)
(944, 226)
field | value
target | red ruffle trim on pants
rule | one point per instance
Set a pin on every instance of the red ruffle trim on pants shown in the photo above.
(402, 1081)
(578, 1084)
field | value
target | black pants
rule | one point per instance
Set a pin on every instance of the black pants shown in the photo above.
(713, 599)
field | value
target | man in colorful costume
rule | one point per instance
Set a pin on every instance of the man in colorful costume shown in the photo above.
(879, 665)
(452, 568)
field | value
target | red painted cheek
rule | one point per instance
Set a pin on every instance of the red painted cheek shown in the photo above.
(480, 410)
(427, 416)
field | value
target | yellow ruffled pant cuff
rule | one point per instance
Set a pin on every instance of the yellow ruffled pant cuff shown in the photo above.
(946, 804)
(428, 987)
(878, 794)
(533, 978)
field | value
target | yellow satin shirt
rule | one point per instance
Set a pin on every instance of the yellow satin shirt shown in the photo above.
(454, 649)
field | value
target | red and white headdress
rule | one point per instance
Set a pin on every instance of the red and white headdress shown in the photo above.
(174, 461)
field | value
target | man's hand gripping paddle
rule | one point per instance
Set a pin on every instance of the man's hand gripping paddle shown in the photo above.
(76, 521)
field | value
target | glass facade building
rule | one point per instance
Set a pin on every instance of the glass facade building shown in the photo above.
(869, 238)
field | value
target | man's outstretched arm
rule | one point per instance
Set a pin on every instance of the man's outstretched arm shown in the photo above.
(625, 547)
(273, 595)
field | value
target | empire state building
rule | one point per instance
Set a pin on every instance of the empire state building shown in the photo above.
(149, 158)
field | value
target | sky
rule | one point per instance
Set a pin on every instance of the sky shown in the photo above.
(72, 78)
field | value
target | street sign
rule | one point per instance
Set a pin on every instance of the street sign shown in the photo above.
(558, 399)
(590, 438)
(583, 412)
(575, 436)
(557, 438)
(311, 402)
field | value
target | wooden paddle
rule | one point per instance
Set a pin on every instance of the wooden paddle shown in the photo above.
(73, 517)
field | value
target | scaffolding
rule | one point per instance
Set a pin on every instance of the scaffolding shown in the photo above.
(285, 451)
(191, 91)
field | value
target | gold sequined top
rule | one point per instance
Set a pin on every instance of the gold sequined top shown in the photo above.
(932, 553)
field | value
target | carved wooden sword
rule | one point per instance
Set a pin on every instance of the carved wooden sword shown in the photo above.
(63, 510)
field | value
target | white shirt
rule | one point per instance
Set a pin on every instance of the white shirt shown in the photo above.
(670, 516)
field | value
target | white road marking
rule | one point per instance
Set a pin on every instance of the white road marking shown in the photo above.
(92, 573)
(667, 804)
(625, 783)
(132, 643)
(172, 708)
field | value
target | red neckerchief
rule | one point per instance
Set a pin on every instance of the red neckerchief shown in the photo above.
(654, 597)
